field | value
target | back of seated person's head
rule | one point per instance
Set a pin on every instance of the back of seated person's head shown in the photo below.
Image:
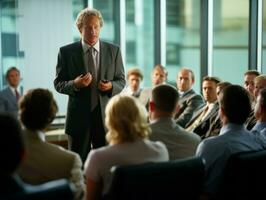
(11, 144)
(221, 86)
(165, 98)
(37, 109)
(236, 104)
(126, 120)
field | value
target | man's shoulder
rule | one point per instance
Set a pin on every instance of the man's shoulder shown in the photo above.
(108, 44)
(71, 46)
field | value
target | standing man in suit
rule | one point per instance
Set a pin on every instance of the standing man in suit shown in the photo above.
(189, 100)
(90, 72)
(201, 119)
(11, 94)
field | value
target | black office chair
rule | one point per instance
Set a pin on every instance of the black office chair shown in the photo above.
(179, 179)
(53, 190)
(244, 177)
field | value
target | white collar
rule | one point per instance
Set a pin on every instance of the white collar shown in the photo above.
(85, 46)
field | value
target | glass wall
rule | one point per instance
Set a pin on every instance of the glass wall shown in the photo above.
(183, 38)
(230, 39)
(10, 54)
(140, 36)
(107, 10)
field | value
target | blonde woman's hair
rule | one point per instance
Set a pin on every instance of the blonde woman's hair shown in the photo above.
(126, 120)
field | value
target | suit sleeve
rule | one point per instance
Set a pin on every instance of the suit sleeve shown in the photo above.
(187, 114)
(119, 81)
(62, 83)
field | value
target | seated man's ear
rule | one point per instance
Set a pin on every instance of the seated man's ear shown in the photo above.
(151, 106)
(177, 108)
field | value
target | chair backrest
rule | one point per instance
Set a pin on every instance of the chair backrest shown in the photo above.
(244, 177)
(181, 178)
(53, 190)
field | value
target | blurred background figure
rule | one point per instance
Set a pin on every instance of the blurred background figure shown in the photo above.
(158, 76)
(134, 79)
(10, 95)
(201, 119)
(249, 82)
(189, 100)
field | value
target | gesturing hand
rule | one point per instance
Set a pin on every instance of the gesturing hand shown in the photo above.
(83, 80)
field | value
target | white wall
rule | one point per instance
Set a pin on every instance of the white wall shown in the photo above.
(44, 26)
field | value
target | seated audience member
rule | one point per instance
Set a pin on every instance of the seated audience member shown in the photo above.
(201, 119)
(249, 83)
(235, 107)
(11, 186)
(189, 100)
(10, 95)
(260, 83)
(163, 106)
(128, 129)
(45, 161)
(216, 123)
(158, 76)
(11, 155)
(134, 78)
(260, 111)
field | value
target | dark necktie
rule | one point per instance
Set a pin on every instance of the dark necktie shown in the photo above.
(93, 85)
(17, 94)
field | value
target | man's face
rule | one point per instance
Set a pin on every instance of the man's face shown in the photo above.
(134, 82)
(184, 81)
(260, 84)
(90, 31)
(209, 91)
(158, 77)
(13, 78)
(249, 83)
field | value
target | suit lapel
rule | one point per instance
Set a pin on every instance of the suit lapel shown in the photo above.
(77, 58)
(11, 96)
(103, 64)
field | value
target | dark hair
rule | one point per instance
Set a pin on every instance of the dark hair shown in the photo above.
(262, 93)
(235, 101)
(165, 97)
(37, 109)
(252, 72)
(11, 144)
(212, 78)
(11, 69)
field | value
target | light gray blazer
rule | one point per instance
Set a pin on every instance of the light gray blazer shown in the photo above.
(179, 142)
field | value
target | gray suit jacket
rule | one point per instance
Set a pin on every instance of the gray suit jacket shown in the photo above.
(179, 142)
(8, 102)
(188, 104)
(203, 128)
(70, 64)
